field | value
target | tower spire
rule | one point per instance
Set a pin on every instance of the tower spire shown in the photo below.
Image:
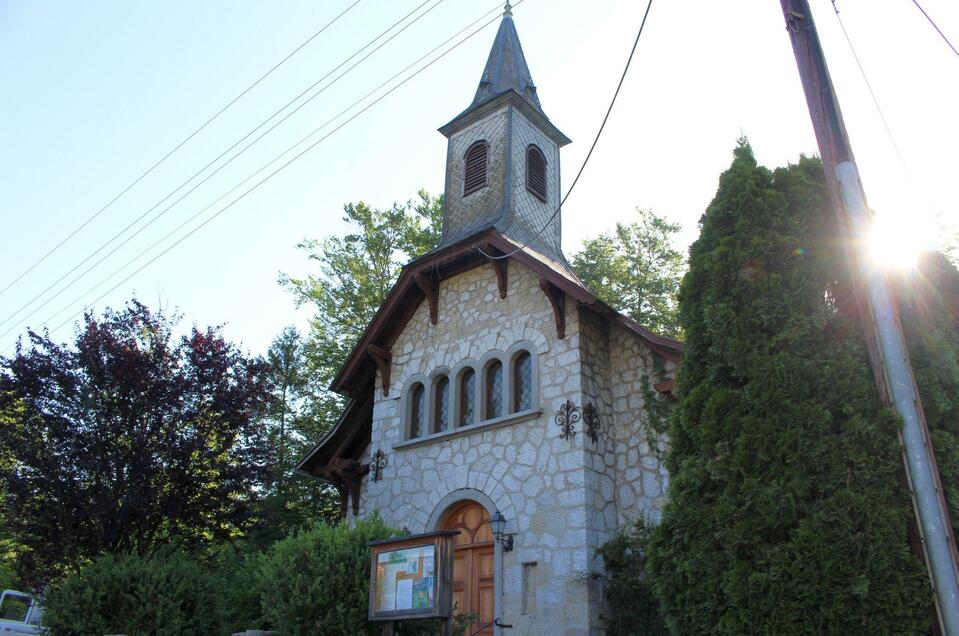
(506, 66)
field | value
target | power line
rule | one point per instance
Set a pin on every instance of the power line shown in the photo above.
(290, 161)
(177, 147)
(936, 27)
(588, 154)
(222, 166)
(875, 100)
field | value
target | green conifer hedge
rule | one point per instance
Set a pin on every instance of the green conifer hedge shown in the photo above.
(786, 513)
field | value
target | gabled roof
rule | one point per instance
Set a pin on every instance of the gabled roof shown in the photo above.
(338, 458)
(407, 294)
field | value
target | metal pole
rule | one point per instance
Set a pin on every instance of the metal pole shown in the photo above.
(884, 337)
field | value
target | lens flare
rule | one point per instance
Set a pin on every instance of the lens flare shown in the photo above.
(897, 240)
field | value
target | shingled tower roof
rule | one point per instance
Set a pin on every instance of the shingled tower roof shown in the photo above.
(507, 117)
(506, 67)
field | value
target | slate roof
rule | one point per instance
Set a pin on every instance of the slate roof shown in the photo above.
(506, 68)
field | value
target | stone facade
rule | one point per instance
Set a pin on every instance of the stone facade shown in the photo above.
(563, 498)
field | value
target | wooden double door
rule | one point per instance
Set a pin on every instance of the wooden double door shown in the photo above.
(472, 564)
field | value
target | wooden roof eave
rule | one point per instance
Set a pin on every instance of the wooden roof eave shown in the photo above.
(344, 440)
(405, 296)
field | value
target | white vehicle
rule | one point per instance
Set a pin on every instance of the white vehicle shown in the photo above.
(20, 613)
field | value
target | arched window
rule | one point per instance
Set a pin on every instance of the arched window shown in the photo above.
(467, 396)
(417, 410)
(494, 390)
(536, 172)
(522, 382)
(474, 172)
(441, 415)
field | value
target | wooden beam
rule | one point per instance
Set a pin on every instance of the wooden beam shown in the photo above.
(558, 300)
(431, 290)
(382, 358)
(665, 386)
(500, 267)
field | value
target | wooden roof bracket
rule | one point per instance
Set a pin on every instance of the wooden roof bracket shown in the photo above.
(500, 267)
(382, 358)
(431, 290)
(558, 300)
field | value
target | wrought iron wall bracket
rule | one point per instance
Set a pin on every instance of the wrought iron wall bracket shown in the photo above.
(566, 418)
(591, 420)
(377, 464)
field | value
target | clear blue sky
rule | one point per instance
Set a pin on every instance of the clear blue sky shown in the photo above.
(95, 92)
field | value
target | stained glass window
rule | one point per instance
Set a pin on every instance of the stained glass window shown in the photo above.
(467, 398)
(417, 410)
(523, 382)
(442, 404)
(494, 390)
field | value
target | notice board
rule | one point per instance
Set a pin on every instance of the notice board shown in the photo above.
(411, 577)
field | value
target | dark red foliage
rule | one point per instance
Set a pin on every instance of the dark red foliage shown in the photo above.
(128, 440)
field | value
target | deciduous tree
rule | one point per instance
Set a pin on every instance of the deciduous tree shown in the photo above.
(128, 439)
(636, 269)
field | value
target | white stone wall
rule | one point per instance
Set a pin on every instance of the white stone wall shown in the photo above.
(640, 476)
(564, 498)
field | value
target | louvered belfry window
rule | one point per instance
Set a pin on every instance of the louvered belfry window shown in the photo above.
(536, 172)
(477, 159)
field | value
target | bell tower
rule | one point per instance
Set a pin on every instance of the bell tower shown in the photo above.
(502, 165)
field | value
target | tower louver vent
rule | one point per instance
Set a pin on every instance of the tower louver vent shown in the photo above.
(536, 172)
(475, 172)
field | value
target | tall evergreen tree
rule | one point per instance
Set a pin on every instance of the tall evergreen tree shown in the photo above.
(786, 513)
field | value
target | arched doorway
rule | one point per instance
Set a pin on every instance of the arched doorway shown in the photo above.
(472, 563)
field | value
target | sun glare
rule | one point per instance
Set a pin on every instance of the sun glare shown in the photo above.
(896, 241)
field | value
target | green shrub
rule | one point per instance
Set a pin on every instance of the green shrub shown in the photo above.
(169, 593)
(633, 607)
(317, 580)
(786, 511)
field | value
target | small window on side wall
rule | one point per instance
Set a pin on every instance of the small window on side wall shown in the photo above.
(475, 167)
(536, 172)
(467, 397)
(417, 410)
(494, 390)
(522, 382)
(442, 414)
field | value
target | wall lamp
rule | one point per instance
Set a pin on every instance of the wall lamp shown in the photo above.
(497, 524)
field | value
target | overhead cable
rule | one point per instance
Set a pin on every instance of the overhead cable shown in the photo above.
(588, 154)
(288, 162)
(177, 147)
(221, 166)
(875, 100)
(936, 27)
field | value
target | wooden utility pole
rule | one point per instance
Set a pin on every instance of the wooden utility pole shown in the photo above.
(880, 316)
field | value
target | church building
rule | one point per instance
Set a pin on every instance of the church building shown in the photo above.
(492, 384)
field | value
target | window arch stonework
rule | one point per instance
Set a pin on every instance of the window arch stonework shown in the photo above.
(467, 396)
